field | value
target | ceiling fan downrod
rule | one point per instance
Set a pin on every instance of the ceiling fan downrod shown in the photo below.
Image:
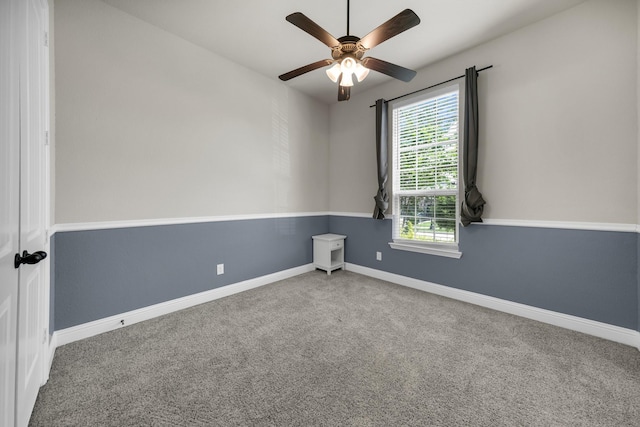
(348, 17)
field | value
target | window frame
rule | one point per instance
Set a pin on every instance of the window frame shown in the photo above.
(446, 249)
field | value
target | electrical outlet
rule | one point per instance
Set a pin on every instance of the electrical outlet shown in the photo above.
(379, 256)
(220, 269)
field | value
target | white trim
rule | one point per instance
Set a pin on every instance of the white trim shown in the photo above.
(590, 327)
(431, 250)
(53, 344)
(46, 352)
(105, 225)
(569, 225)
(354, 214)
(86, 330)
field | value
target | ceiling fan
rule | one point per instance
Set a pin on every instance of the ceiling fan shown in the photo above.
(347, 52)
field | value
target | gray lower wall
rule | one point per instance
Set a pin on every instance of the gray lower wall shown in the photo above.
(96, 274)
(52, 284)
(102, 273)
(590, 274)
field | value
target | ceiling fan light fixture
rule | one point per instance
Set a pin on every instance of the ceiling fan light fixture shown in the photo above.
(334, 72)
(348, 65)
(346, 81)
(361, 72)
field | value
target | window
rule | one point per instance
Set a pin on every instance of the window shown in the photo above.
(425, 172)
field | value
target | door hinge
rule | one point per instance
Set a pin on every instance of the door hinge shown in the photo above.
(46, 39)
(46, 137)
(44, 336)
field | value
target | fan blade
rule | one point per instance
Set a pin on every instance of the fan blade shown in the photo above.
(394, 26)
(389, 69)
(302, 70)
(305, 24)
(344, 93)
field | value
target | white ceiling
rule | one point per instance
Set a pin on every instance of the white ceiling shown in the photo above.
(254, 33)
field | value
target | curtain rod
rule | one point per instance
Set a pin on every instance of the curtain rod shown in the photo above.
(432, 86)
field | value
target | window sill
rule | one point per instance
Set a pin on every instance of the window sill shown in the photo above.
(445, 251)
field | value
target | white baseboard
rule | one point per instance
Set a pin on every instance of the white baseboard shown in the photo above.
(591, 327)
(86, 330)
(53, 344)
(49, 352)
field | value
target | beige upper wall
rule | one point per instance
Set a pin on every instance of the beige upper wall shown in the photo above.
(558, 121)
(150, 126)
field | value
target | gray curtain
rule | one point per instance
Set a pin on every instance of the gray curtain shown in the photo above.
(381, 198)
(473, 203)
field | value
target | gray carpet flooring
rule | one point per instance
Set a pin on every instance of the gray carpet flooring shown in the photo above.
(341, 350)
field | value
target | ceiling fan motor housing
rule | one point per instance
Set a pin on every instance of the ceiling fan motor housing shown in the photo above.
(348, 46)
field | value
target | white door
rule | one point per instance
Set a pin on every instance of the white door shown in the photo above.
(9, 209)
(34, 126)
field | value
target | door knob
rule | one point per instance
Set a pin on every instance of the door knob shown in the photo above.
(28, 258)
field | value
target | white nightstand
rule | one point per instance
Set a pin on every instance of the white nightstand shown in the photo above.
(328, 252)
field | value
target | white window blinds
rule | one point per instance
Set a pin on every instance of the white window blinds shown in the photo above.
(425, 180)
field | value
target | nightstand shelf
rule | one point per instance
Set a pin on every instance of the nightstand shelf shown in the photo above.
(328, 252)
